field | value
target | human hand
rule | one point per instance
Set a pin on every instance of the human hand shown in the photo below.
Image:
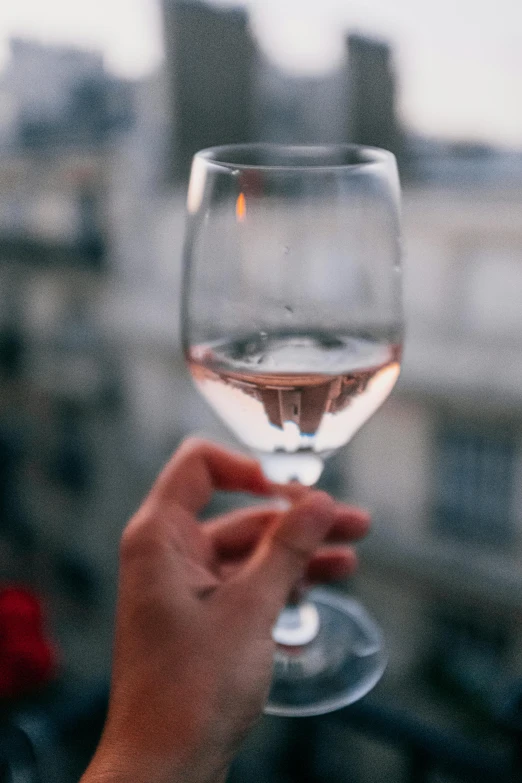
(193, 647)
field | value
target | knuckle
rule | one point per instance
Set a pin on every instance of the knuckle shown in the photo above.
(140, 537)
(321, 496)
(130, 541)
(193, 445)
(293, 552)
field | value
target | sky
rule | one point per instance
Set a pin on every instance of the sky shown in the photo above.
(459, 61)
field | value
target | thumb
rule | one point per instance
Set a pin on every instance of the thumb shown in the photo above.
(282, 556)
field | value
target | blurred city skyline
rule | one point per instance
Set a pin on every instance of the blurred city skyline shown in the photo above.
(102, 106)
(458, 65)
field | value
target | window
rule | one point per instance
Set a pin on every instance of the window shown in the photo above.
(487, 285)
(473, 485)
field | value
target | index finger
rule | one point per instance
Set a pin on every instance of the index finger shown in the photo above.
(199, 467)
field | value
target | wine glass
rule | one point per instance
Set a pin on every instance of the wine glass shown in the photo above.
(292, 325)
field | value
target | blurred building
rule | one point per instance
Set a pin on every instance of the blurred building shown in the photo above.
(60, 96)
(235, 94)
(441, 464)
(371, 96)
(52, 210)
(435, 161)
(297, 110)
(211, 60)
(61, 378)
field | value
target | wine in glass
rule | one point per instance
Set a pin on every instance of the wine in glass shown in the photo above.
(292, 328)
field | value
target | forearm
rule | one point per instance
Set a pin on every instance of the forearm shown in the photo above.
(110, 769)
(130, 776)
(111, 776)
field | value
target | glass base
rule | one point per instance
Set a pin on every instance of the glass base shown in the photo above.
(339, 666)
(303, 466)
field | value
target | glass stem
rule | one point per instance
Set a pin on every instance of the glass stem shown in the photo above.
(298, 623)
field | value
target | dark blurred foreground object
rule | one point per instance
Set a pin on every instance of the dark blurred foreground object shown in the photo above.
(17, 756)
(304, 750)
(49, 726)
(52, 740)
(322, 750)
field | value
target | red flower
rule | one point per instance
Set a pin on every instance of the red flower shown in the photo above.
(27, 658)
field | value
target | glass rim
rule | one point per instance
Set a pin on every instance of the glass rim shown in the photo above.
(369, 156)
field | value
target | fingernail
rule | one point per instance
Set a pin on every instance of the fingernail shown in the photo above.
(281, 504)
(310, 522)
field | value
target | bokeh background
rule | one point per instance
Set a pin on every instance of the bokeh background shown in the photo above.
(102, 105)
